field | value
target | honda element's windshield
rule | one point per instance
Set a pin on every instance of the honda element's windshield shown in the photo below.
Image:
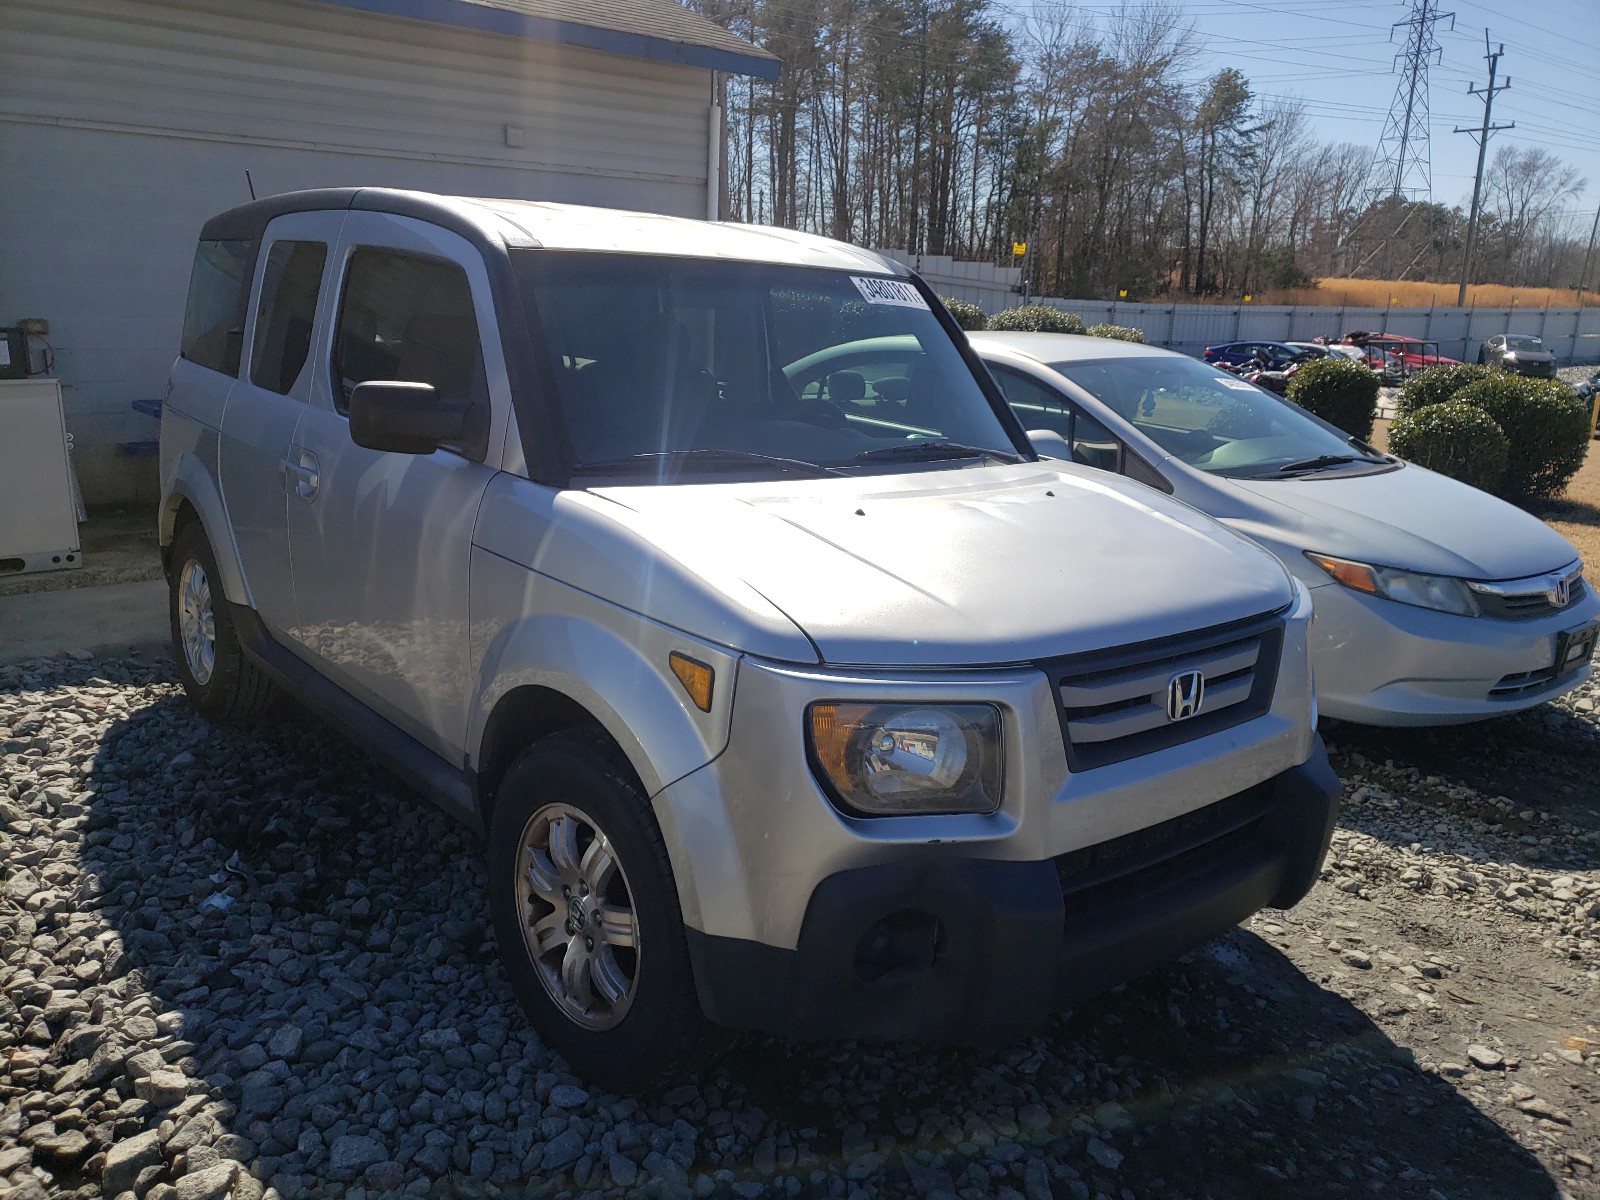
(672, 366)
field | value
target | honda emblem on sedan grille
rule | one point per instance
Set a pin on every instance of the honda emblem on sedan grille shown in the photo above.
(1186, 691)
(1560, 595)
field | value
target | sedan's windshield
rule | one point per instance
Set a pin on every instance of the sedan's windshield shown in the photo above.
(1524, 343)
(668, 367)
(1214, 421)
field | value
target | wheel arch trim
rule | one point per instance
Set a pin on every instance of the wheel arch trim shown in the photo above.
(192, 483)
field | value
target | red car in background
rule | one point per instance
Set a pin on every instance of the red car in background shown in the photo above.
(1396, 356)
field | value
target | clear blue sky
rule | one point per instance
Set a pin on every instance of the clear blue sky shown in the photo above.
(1338, 58)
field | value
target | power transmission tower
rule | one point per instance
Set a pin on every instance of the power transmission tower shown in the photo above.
(1482, 134)
(1403, 165)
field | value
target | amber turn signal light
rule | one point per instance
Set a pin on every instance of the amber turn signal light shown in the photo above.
(696, 677)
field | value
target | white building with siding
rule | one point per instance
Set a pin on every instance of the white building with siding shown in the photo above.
(124, 124)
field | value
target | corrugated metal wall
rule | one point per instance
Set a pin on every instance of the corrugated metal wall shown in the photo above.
(124, 124)
(1572, 334)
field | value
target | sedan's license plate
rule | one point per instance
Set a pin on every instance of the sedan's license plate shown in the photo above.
(1574, 648)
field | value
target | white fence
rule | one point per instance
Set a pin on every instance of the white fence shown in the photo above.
(1573, 334)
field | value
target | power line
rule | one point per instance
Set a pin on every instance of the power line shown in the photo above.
(1482, 133)
(1404, 162)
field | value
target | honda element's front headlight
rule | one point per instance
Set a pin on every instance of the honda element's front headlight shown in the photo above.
(889, 759)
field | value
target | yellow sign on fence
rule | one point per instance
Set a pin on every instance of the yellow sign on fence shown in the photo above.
(1018, 249)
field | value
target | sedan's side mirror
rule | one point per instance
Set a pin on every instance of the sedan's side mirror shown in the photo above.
(411, 418)
(1047, 443)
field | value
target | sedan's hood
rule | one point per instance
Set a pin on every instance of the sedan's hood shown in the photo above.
(1415, 519)
(1531, 356)
(991, 564)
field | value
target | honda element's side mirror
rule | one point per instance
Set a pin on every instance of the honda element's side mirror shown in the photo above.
(411, 418)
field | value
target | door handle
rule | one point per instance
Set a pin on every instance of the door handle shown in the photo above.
(304, 473)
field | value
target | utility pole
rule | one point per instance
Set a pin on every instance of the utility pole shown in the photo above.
(1588, 257)
(1482, 134)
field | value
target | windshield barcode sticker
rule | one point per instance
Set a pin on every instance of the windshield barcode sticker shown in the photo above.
(875, 290)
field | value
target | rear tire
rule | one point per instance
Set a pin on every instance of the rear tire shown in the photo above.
(587, 919)
(220, 681)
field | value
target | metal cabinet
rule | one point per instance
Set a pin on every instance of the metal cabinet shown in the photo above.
(38, 512)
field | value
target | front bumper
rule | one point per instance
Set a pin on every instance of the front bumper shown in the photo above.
(1383, 663)
(931, 946)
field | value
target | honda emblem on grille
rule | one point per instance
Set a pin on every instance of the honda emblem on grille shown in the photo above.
(1186, 691)
(1560, 595)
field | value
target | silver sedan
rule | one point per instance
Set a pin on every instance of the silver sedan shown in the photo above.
(1435, 603)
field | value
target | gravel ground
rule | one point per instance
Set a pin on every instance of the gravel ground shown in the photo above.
(243, 962)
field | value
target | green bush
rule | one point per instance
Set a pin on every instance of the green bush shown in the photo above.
(968, 315)
(1123, 333)
(1547, 427)
(1436, 385)
(1036, 318)
(1455, 439)
(1341, 392)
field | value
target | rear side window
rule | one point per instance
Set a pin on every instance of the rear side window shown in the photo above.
(213, 322)
(289, 290)
(406, 318)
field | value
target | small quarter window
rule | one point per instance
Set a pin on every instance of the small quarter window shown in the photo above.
(406, 318)
(213, 322)
(289, 290)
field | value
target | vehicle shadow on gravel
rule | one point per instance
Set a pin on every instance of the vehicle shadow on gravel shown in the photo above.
(285, 962)
(1531, 779)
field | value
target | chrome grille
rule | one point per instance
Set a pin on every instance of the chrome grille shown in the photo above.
(1113, 704)
(1531, 598)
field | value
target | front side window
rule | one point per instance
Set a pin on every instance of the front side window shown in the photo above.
(405, 318)
(673, 365)
(213, 320)
(289, 289)
(1041, 407)
(1215, 421)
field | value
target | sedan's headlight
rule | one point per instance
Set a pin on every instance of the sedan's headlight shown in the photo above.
(907, 759)
(1442, 593)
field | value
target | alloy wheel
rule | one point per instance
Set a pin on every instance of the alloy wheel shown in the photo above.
(197, 622)
(577, 916)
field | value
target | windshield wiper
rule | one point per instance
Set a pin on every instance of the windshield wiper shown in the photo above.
(706, 457)
(1321, 461)
(930, 452)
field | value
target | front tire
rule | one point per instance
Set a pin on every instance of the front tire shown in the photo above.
(587, 919)
(219, 680)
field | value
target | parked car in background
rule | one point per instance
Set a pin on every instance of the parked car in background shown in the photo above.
(1589, 392)
(791, 689)
(1396, 356)
(1328, 350)
(1273, 355)
(1436, 603)
(1522, 353)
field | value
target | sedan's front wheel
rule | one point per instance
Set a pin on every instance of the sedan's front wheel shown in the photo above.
(586, 915)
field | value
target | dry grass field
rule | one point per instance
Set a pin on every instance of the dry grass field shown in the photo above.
(1576, 516)
(1376, 293)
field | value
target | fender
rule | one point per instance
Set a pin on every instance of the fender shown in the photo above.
(621, 677)
(187, 477)
(614, 664)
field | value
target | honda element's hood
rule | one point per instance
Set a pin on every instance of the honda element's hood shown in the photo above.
(978, 565)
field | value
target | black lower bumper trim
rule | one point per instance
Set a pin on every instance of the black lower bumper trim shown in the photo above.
(962, 949)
